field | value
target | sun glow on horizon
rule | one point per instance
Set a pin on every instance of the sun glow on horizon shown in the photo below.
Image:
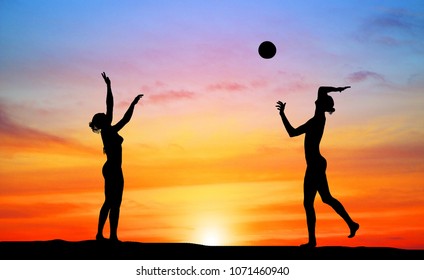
(211, 236)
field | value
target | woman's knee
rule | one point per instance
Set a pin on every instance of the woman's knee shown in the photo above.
(328, 199)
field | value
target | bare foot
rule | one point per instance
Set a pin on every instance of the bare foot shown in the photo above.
(309, 245)
(114, 239)
(353, 229)
(99, 237)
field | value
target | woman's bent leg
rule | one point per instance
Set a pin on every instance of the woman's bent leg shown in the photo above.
(327, 198)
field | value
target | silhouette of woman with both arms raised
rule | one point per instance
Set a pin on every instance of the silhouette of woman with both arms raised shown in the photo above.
(112, 171)
(315, 178)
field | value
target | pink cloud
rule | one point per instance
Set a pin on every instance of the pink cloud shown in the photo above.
(259, 83)
(150, 88)
(226, 86)
(171, 95)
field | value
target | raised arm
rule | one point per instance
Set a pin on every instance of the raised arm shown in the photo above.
(323, 91)
(109, 98)
(290, 129)
(128, 114)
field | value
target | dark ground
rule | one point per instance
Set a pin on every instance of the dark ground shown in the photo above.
(94, 250)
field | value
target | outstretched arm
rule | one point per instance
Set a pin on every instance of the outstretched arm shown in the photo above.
(109, 98)
(290, 129)
(323, 91)
(128, 114)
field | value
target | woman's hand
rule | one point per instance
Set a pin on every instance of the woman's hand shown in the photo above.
(281, 106)
(340, 89)
(137, 98)
(106, 78)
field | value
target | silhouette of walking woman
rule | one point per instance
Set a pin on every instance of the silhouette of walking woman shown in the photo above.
(112, 171)
(315, 178)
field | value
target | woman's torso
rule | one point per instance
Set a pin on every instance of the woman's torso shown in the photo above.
(313, 136)
(112, 143)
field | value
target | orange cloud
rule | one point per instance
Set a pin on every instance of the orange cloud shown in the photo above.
(18, 137)
(41, 209)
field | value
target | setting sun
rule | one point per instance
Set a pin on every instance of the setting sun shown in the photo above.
(212, 228)
(211, 238)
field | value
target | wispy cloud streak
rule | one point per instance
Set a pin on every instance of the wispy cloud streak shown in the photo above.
(361, 76)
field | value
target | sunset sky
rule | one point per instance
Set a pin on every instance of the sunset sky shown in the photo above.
(206, 158)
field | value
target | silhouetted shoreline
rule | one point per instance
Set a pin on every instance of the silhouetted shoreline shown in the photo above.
(95, 250)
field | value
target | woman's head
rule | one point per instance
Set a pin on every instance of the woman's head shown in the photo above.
(98, 122)
(326, 104)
